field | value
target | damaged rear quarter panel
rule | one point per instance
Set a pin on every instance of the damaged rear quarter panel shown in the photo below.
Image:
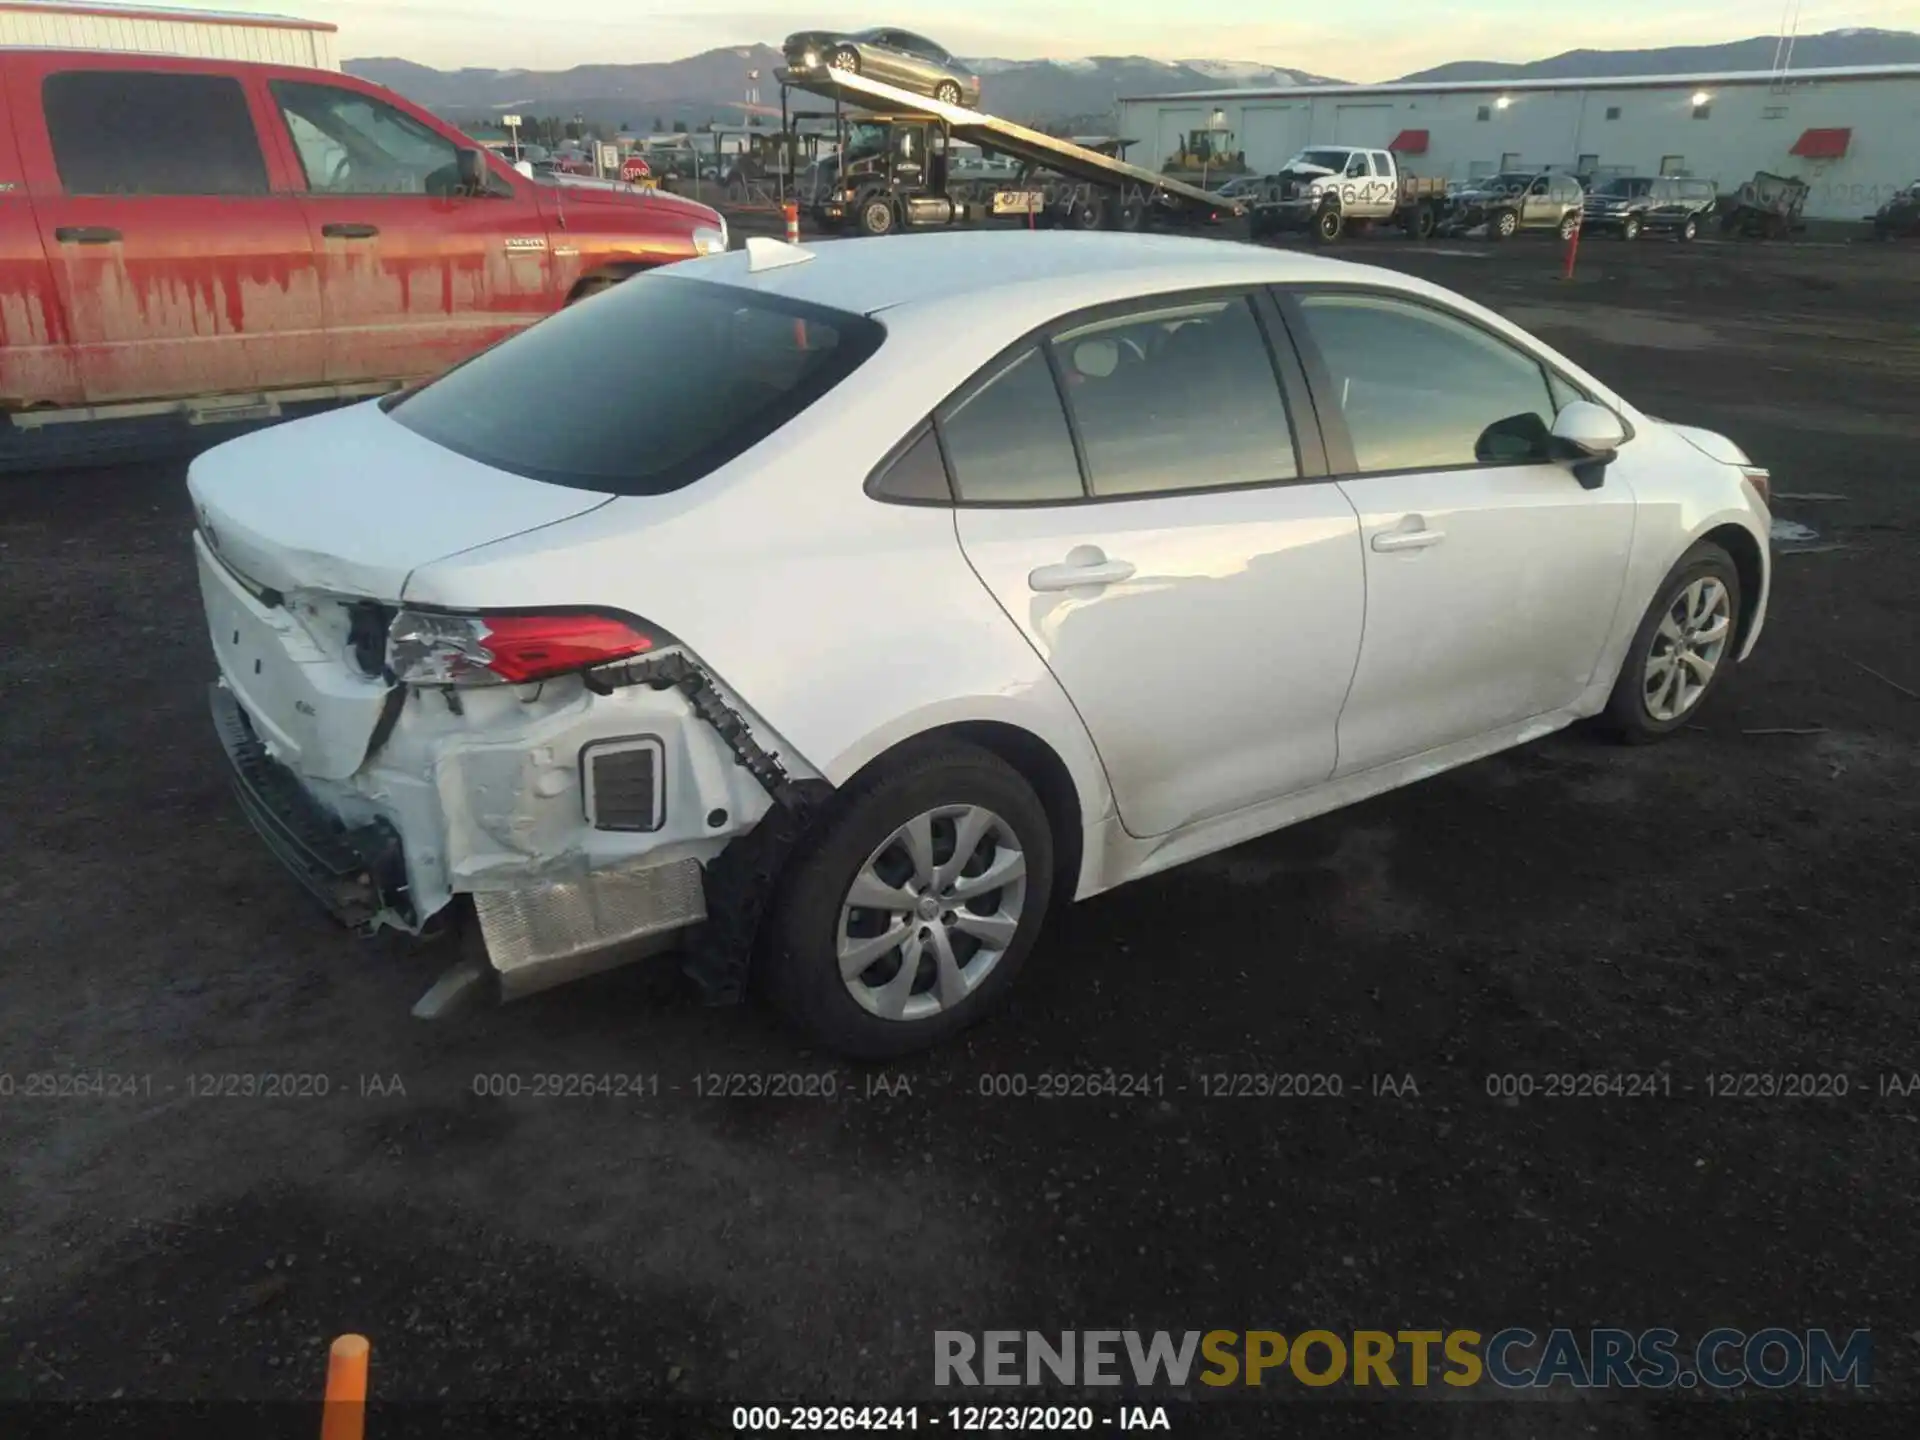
(847, 624)
(490, 798)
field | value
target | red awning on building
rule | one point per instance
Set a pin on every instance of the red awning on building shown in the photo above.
(1410, 142)
(1822, 144)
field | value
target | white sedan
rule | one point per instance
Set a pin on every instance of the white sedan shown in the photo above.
(830, 615)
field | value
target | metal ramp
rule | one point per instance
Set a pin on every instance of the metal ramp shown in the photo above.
(991, 133)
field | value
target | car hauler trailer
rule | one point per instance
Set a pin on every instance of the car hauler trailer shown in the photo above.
(892, 169)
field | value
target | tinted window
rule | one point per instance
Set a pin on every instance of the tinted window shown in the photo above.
(1630, 188)
(1420, 389)
(352, 144)
(1697, 190)
(917, 473)
(1382, 163)
(1175, 398)
(642, 389)
(1008, 439)
(134, 132)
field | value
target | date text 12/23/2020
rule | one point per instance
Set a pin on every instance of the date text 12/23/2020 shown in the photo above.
(956, 1419)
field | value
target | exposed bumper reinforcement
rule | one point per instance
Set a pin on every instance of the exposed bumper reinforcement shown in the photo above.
(356, 873)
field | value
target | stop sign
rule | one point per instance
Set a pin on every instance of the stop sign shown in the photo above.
(635, 168)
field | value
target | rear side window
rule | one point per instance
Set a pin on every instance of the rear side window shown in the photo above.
(1007, 440)
(1176, 397)
(144, 132)
(642, 389)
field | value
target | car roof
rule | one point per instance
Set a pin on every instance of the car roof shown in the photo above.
(1048, 272)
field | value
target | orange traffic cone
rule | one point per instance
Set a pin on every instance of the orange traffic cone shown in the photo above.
(344, 1416)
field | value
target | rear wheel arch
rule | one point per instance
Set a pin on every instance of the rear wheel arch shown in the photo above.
(1034, 759)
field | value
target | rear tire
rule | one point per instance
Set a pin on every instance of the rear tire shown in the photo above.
(845, 60)
(947, 93)
(1424, 222)
(1088, 214)
(1700, 593)
(865, 838)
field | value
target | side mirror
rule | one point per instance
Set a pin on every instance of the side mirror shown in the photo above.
(473, 172)
(1586, 437)
(524, 167)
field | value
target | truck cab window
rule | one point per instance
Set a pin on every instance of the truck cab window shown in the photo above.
(131, 132)
(1357, 165)
(353, 144)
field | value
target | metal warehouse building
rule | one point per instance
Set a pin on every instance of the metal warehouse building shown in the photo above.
(203, 34)
(1853, 134)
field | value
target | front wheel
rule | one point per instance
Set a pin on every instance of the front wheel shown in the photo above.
(1505, 225)
(1690, 230)
(845, 60)
(909, 914)
(1630, 228)
(947, 93)
(1328, 224)
(1683, 648)
(876, 216)
(1569, 226)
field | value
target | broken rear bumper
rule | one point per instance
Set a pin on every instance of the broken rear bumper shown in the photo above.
(356, 872)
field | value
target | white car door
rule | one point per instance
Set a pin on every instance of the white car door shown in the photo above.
(1169, 547)
(1492, 573)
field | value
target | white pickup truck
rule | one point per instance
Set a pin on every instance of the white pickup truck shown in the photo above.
(1329, 189)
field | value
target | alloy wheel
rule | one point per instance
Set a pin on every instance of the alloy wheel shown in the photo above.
(931, 912)
(1687, 649)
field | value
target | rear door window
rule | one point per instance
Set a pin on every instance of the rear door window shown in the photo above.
(1176, 397)
(643, 389)
(148, 132)
(1007, 439)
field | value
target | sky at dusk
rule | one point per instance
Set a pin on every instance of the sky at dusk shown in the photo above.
(1354, 40)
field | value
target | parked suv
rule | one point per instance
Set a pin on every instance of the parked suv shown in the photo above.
(1516, 200)
(214, 241)
(1652, 204)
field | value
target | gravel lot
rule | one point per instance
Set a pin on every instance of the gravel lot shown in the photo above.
(1733, 901)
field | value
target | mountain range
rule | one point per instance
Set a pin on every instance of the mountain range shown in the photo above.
(716, 84)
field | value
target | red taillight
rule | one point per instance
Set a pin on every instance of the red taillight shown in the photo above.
(437, 647)
(532, 647)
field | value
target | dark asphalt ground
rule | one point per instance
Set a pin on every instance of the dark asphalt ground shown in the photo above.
(1730, 903)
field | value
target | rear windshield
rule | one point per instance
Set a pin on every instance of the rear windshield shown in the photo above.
(642, 389)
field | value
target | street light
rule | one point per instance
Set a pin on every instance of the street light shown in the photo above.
(1503, 102)
(1701, 97)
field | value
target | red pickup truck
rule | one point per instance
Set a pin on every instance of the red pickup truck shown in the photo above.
(216, 240)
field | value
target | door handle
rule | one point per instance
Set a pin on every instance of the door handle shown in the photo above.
(1390, 540)
(349, 231)
(87, 235)
(1078, 571)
